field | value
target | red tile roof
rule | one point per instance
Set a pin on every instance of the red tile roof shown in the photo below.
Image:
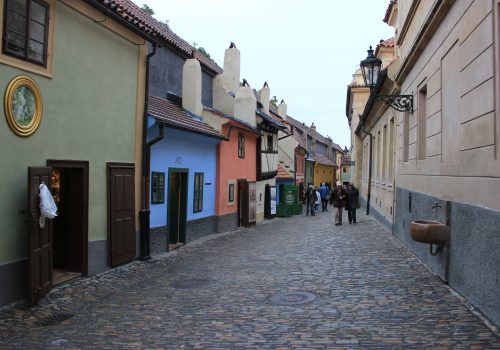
(389, 9)
(136, 17)
(283, 173)
(321, 159)
(177, 117)
(387, 43)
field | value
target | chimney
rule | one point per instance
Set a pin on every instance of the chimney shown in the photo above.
(231, 68)
(245, 104)
(191, 86)
(313, 137)
(282, 109)
(265, 95)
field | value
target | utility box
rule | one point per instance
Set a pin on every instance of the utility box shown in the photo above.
(289, 201)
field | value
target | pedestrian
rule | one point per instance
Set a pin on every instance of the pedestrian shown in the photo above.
(324, 193)
(312, 200)
(337, 199)
(352, 196)
(307, 197)
(318, 200)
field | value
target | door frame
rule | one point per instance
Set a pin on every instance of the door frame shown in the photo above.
(184, 193)
(84, 166)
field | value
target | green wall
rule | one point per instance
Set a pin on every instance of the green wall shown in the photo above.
(89, 110)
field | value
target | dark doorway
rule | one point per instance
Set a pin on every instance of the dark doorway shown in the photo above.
(177, 206)
(301, 192)
(121, 213)
(242, 203)
(70, 227)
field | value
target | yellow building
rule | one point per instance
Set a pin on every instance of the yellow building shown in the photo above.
(324, 170)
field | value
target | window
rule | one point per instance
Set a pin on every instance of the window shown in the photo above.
(241, 145)
(270, 143)
(344, 169)
(230, 192)
(390, 169)
(25, 33)
(157, 188)
(198, 192)
(422, 121)
(406, 136)
(384, 154)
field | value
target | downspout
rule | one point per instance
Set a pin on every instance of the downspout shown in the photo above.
(144, 213)
(369, 170)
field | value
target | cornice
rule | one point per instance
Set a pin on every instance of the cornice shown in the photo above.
(431, 24)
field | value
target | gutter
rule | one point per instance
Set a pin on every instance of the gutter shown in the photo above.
(144, 213)
(369, 169)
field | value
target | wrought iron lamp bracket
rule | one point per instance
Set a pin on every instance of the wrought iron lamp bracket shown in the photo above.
(401, 103)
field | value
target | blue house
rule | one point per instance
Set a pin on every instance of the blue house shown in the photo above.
(181, 149)
(183, 174)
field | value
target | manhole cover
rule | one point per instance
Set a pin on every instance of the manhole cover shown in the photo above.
(292, 298)
(192, 283)
(54, 319)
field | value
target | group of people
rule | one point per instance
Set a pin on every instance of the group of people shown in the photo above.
(339, 197)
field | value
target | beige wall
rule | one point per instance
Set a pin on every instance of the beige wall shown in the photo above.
(456, 150)
(383, 163)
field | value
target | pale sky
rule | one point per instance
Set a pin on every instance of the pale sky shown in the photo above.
(307, 50)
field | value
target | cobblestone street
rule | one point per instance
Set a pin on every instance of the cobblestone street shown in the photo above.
(349, 286)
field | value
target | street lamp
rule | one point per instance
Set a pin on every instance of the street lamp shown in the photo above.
(370, 67)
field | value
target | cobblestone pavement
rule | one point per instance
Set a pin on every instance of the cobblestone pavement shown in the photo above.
(362, 289)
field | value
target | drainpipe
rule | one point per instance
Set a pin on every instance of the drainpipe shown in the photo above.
(369, 170)
(144, 213)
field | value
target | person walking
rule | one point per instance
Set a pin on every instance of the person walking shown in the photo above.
(318, 200)
(337, 199)
(352, 196)
(312, 200)
(307, 198)
(324, 193)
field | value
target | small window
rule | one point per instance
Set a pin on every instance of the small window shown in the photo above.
(344, 169)
(26, 30)
(270, 143)
(198, 192)
(230, 195)
(157, 188)
(241, 145)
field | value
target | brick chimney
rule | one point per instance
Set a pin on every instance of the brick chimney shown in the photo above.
(265, 96)
(282, 108)
(191, 86)
(245, 104)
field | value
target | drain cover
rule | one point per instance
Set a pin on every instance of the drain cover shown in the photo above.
(54, 319)
(292, 298)
(192, 283)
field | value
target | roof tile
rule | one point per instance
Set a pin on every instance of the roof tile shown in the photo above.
(177, 117)
(147, 24)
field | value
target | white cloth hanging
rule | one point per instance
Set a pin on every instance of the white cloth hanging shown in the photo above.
(48, 208)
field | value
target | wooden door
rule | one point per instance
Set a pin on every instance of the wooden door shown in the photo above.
(177, 205)
(242, 203)
(121, 213)
(39, 239)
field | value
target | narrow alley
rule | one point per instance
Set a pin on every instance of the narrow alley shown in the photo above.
(287, 283)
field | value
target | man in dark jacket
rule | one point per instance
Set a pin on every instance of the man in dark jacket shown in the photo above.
(352, 195)
(337, 199)
(308, 196)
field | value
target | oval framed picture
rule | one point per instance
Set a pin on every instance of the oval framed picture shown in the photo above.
(23, 105)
